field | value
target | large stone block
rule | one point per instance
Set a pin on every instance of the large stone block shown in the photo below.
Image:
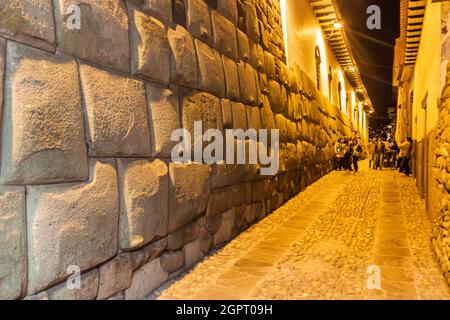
(116, 111)
(225, 37)
(183, 58)
(243, 46)
(2, 67)
(43, 136)
(186, 234)
(114, 276)
(228, 8)
(145, 280)
(193, 253)
(198, 20)
(231, 78)
(226, 229)
(73, 224)
(251, 22)
(148, 253)
(239, 116)
(247, 80)
(160, 9)
(150, 52)
(219, 202)
(103, 34)
(189, 189)
(28, 21)
(164, 119)
(211, 75)
(204, 107)
(253, 117)
(87, 291)
(227, 114)
(171, 261)
(144, 204)
(13, 261)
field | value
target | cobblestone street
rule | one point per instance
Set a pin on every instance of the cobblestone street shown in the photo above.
(320, 244)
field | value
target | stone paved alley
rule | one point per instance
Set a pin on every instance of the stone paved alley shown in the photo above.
(320, 244)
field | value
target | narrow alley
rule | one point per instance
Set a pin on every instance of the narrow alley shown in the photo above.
(320, 245)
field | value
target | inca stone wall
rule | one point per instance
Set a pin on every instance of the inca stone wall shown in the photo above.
(87, 118)
(441, 230)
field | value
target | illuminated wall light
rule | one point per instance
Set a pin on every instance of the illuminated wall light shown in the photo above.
(337, 25)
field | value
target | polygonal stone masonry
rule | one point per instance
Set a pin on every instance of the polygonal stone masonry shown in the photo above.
(190, 232)
(114, 276)
(13, 262)
(183, 58)
(192, 253)
(88, 288)
(239, 116)
(231, 78)
(117, 117)
(198, 20)
(227, 114)
(71, 225)
(160, 9)
(28, 21)
(228, 8)
(149, 47)
(42, 135)
(202, 107)
(247, 80)
(189, 189)
(251, 22)
(144, 204)
(145, 280)
(164, 117)
(243, 46)
(225, 38)
(103, 34)
(210, 70)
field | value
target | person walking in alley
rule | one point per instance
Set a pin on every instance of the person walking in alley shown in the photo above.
(405, 153)
(372, 147)
(348, 153)
(357, 154)
(339, 153)
(380, 151)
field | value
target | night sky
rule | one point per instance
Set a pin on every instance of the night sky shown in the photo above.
(374, 60)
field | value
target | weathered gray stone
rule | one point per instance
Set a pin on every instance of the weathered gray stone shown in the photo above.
(239, 116)
(164, 119)
(150, 52)
(198, 20)
(247, 80)
(185, 234)
(28, 21)
(39, 296)
(204, 107)
(87, 291)
(192, 253)
(74, 224)
(160, 9)
(148, 253)
(171, 261)
(225, 37)
(232, 79)
(144, 205)
(114, 276)
(117, 116)
(226, 229)
(145, 280)
(43, 137)
(211, 75)
(183, 58)
(189, 189)
(219, 176)
(2, 67)
(103, 36)
(243, 46)
(13, 262)
(228, 8)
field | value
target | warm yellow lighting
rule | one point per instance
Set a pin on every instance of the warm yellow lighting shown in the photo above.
(337, 25)
(285, 29)
(352, 69)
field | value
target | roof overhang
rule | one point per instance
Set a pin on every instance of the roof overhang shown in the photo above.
(327, 13)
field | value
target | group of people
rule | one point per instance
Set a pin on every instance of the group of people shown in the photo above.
(348, 152)
(383, 153)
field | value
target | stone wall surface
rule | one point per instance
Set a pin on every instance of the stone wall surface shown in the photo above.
(87, 117)
(441, 230)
